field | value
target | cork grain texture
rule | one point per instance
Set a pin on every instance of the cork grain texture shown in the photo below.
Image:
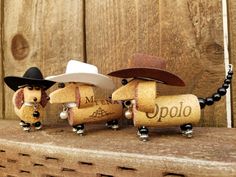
(57, 151)
(170, 111)
(99, 111)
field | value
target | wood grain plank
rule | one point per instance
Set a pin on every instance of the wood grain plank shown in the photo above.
(1, 65)
(211, 153)
(192, 41)
(117, 29)
(51, 33)
(232, 50)
(188, 34)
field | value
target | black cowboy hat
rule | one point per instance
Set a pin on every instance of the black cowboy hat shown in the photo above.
(148, 67)
(32, 76)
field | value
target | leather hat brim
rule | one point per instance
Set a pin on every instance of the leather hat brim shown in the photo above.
(14, 82)
(149, 73)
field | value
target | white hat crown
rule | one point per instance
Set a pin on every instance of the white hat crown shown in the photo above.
(75, 66)
(77, 71)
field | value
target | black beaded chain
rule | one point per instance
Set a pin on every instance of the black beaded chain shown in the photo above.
(220, 92)
(36, 113)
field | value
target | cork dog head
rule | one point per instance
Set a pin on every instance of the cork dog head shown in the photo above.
(146, 72)
(143, 92)
(30, 94)
(29, 88)
(78, 93)
(77, 84)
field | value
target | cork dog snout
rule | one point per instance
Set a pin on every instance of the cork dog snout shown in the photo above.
(32, 95)
(142, 91)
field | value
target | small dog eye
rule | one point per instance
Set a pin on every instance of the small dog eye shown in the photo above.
(127, 103)
(30, 87)
(37, 88)
(124, 81)
(61, 85)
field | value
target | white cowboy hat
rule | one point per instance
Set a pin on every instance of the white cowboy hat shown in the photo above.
(77, 71)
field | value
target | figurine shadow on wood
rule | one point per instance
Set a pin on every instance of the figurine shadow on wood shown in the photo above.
(30, 98)
(75, 92)
(147, 109)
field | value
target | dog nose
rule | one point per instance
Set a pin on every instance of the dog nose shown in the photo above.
(48, 98)
(35, 99)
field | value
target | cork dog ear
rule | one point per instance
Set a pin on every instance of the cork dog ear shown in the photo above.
(18, 98)
(145, 96)
(77, 96)
(44, 98)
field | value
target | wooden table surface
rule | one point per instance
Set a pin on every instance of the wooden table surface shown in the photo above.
(57, 151)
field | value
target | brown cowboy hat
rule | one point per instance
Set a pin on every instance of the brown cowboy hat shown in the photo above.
(148, 67)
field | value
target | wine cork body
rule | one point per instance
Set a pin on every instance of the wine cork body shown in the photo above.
(170, 111)
(102, 110)
(26, 114)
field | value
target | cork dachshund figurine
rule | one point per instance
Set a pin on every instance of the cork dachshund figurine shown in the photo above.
(147, 109)
(30, 98)
(76, 94)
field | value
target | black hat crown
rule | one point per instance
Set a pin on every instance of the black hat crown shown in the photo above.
(33, 73)
(32, 76)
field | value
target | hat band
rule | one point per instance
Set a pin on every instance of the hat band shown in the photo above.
(149, 79)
